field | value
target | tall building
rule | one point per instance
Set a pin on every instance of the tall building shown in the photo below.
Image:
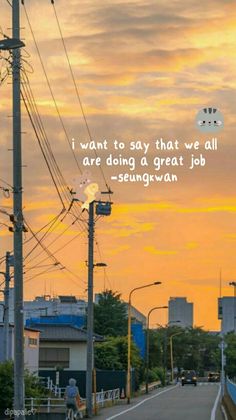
(180, 312)
(227, 313)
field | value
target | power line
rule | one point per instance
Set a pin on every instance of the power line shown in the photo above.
(76, 89)
(52, 242)
(47, 150)
(63, 246)
(5, 182)
(33, 125)
(50, 89)
(104, 268)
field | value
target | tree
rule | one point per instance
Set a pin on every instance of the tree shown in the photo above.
(32, 386)
(112, 354)
(230, 353)
(194, 349)
(110, 315)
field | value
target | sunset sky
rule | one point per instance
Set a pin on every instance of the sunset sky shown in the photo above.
(143, 69)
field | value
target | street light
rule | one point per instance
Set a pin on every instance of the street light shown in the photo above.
(171, 354)
(233, 283)
(147, 342)
(156, 283)
(11, 44)
(165, 344)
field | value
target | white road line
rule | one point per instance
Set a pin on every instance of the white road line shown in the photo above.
(213, 411)
(141, 402)
(224, 412)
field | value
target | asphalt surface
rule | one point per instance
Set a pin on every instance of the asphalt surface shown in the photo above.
(177, 403)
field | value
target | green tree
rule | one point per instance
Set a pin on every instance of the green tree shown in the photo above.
(110, 315)
(194, 348)
(112, 354)
(33, 388)
(230, 353)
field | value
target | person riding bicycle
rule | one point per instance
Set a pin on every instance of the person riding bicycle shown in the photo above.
(71, 396)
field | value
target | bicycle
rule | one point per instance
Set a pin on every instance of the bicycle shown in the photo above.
(70, 415)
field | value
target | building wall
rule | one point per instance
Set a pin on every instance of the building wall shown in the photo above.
(180, 310)
(31, 356)
(43, 305)
(31, 352)
(227, 313)
(10, 343)
(78, 353)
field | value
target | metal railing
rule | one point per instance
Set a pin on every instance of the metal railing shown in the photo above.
(52, 404)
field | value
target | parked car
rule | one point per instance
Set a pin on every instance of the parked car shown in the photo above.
(213, 377)
(189, 377)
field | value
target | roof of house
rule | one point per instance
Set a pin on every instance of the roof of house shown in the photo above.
(63, 332)
(11, 326)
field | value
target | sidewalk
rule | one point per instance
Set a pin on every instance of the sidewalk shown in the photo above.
(106, 413)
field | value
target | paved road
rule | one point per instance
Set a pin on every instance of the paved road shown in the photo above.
(177, 403)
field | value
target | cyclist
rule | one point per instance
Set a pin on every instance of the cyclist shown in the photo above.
(71, 396)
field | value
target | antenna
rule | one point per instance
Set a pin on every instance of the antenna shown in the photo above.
(220, 283)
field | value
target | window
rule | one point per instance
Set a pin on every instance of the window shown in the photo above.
(32, 342)
(54, 357)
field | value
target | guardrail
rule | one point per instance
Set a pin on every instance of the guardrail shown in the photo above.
(57, 405)
(231, 388)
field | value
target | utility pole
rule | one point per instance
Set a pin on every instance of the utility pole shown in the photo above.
(89, 401)
(103, 208)
(19, 398)
(6, 309)
(222, 346)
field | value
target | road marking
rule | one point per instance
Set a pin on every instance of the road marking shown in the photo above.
(213, 411)
(224, 412)
(141, 402)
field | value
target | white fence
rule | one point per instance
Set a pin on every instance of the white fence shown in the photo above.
(50, 404)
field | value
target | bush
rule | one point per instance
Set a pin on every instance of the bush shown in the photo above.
(33, 388)
(156, 374)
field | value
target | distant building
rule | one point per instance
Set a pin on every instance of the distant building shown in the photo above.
(180, 310)
(31, 347)
(47, 306)
(138, 325)
(227, 313)
(136, 316)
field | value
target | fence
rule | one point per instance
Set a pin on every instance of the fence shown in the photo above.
(231, 388)
(57, 405)
(105, 379)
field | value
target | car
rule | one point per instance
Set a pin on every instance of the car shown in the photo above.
(213, 377)
(189, 377)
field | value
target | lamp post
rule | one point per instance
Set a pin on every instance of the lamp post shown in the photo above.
(165, 344)
(233, 283)
(171, 353)
(129, 336)
(147, 342)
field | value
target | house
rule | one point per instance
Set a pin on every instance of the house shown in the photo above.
(31, 347)
(62, 346)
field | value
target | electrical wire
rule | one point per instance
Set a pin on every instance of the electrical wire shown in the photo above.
(77, 90)
(63, 246)
(104, 268)
(52, 242)
(5, 182)
(50, 89)
(47, 151)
